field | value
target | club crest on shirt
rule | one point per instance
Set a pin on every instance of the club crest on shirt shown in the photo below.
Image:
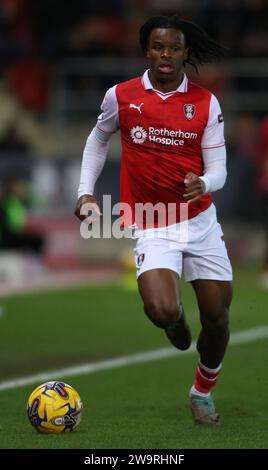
(189, 111)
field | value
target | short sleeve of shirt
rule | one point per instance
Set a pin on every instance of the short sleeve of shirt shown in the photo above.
(108, 120)
(213, 135)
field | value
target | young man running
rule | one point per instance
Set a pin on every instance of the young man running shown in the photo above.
(173, 153)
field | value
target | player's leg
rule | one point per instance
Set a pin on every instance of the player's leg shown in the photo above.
(207, 266)
(214, 298)
(159, 289)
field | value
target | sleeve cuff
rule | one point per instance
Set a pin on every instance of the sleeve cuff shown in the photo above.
(206, 183)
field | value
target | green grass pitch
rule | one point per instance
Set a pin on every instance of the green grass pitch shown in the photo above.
(135, 406)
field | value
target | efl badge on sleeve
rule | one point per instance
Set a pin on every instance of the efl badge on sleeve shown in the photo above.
(189, 111)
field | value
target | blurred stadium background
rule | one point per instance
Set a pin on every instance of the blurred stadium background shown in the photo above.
(57, 59)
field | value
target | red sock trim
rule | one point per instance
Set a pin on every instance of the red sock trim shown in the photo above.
(205, 380)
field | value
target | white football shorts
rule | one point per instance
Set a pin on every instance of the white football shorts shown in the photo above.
(194, 249)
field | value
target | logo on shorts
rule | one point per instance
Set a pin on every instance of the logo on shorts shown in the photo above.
(189, 111)
(140, 259)
(138, 134)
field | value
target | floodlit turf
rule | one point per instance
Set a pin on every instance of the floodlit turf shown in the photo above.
(137, 406)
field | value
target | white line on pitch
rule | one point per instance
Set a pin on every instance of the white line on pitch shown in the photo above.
(239, 337)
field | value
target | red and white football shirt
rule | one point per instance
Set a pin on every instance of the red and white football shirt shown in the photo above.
(162, 135)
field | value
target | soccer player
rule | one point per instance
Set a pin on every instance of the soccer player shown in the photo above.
(173, 152)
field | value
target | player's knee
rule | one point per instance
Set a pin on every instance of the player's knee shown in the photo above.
(161, 314)
(217, 321)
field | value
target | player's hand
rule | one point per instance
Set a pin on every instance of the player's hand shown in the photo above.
(194, 188)
(86, 204)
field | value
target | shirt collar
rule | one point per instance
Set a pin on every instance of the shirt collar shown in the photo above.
(182, 88)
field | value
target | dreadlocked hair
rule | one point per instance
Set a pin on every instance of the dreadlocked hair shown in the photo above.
(202, 48)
